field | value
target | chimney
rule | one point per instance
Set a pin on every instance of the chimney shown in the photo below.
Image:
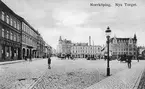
(89, 40)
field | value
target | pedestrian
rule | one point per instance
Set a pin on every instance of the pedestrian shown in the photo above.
(30, 58)
(49, 62)
(129, 61)
(138, 59)
(25, 57)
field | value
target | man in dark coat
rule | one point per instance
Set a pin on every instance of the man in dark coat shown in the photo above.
(49, 62)
(129, 61)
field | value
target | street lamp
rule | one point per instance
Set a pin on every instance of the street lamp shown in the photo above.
(108, 33)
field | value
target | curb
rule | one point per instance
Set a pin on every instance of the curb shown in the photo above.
(17, 61)
(12, 62)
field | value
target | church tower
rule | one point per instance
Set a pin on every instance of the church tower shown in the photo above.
(60, 40)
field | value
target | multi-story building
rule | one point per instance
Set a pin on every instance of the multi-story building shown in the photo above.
(48, 50)
(10, 34)
(83, 50)
(121, 46)
(18, 39)
(64, 47)
(40, 46)
(29, 40)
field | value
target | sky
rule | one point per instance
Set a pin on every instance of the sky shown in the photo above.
(76, 20)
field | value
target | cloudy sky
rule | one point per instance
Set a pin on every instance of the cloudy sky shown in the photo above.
(76, 20)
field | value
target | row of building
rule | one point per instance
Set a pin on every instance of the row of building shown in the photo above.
(118, 47)
(77, 50)
(18, 39)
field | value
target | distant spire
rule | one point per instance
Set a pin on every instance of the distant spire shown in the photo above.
(60, 39)
(135, 37)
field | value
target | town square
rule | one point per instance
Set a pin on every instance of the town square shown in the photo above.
(72, 44)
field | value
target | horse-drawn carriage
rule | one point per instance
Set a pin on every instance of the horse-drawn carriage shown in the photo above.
(124, 57)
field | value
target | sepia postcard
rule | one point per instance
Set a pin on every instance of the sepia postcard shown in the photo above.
(72, 44)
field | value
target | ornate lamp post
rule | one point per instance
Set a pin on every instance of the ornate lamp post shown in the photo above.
(108, 33)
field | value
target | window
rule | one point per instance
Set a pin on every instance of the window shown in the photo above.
(7, 36)
(18, 38)
(3, 16)
(7, 20)
(15, 37)
(11, 36)
(3, 31)
(11, 22)
(15, 24)
(22, 27)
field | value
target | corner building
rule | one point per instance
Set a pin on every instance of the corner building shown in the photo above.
(121, 46)
(64, 47)
(10, 34)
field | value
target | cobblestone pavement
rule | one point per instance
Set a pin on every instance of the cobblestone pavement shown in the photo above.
(126, 79)
(21, 75)
(142, 81)
(77, 74)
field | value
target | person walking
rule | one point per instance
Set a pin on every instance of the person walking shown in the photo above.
(129, 61)
(30, 58)
(49, 62)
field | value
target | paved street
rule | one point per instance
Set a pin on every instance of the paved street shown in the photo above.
(64, 74)
(78, 74)
(142, 81)
(126, 79)
(21, 75)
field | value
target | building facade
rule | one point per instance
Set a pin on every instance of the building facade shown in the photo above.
(18, 39)
(40, 46)
(10, 34)
(83, 50)
(121, 46)
(29, 40)
(77, 50)
(48, 50)
(64, 47)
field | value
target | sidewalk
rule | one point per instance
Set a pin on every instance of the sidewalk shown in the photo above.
(126, 79)
(17, 61)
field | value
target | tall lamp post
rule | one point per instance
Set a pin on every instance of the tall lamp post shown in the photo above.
(108, 33)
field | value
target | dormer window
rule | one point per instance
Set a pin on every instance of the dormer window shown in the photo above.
(115, 41)
(130, 41)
